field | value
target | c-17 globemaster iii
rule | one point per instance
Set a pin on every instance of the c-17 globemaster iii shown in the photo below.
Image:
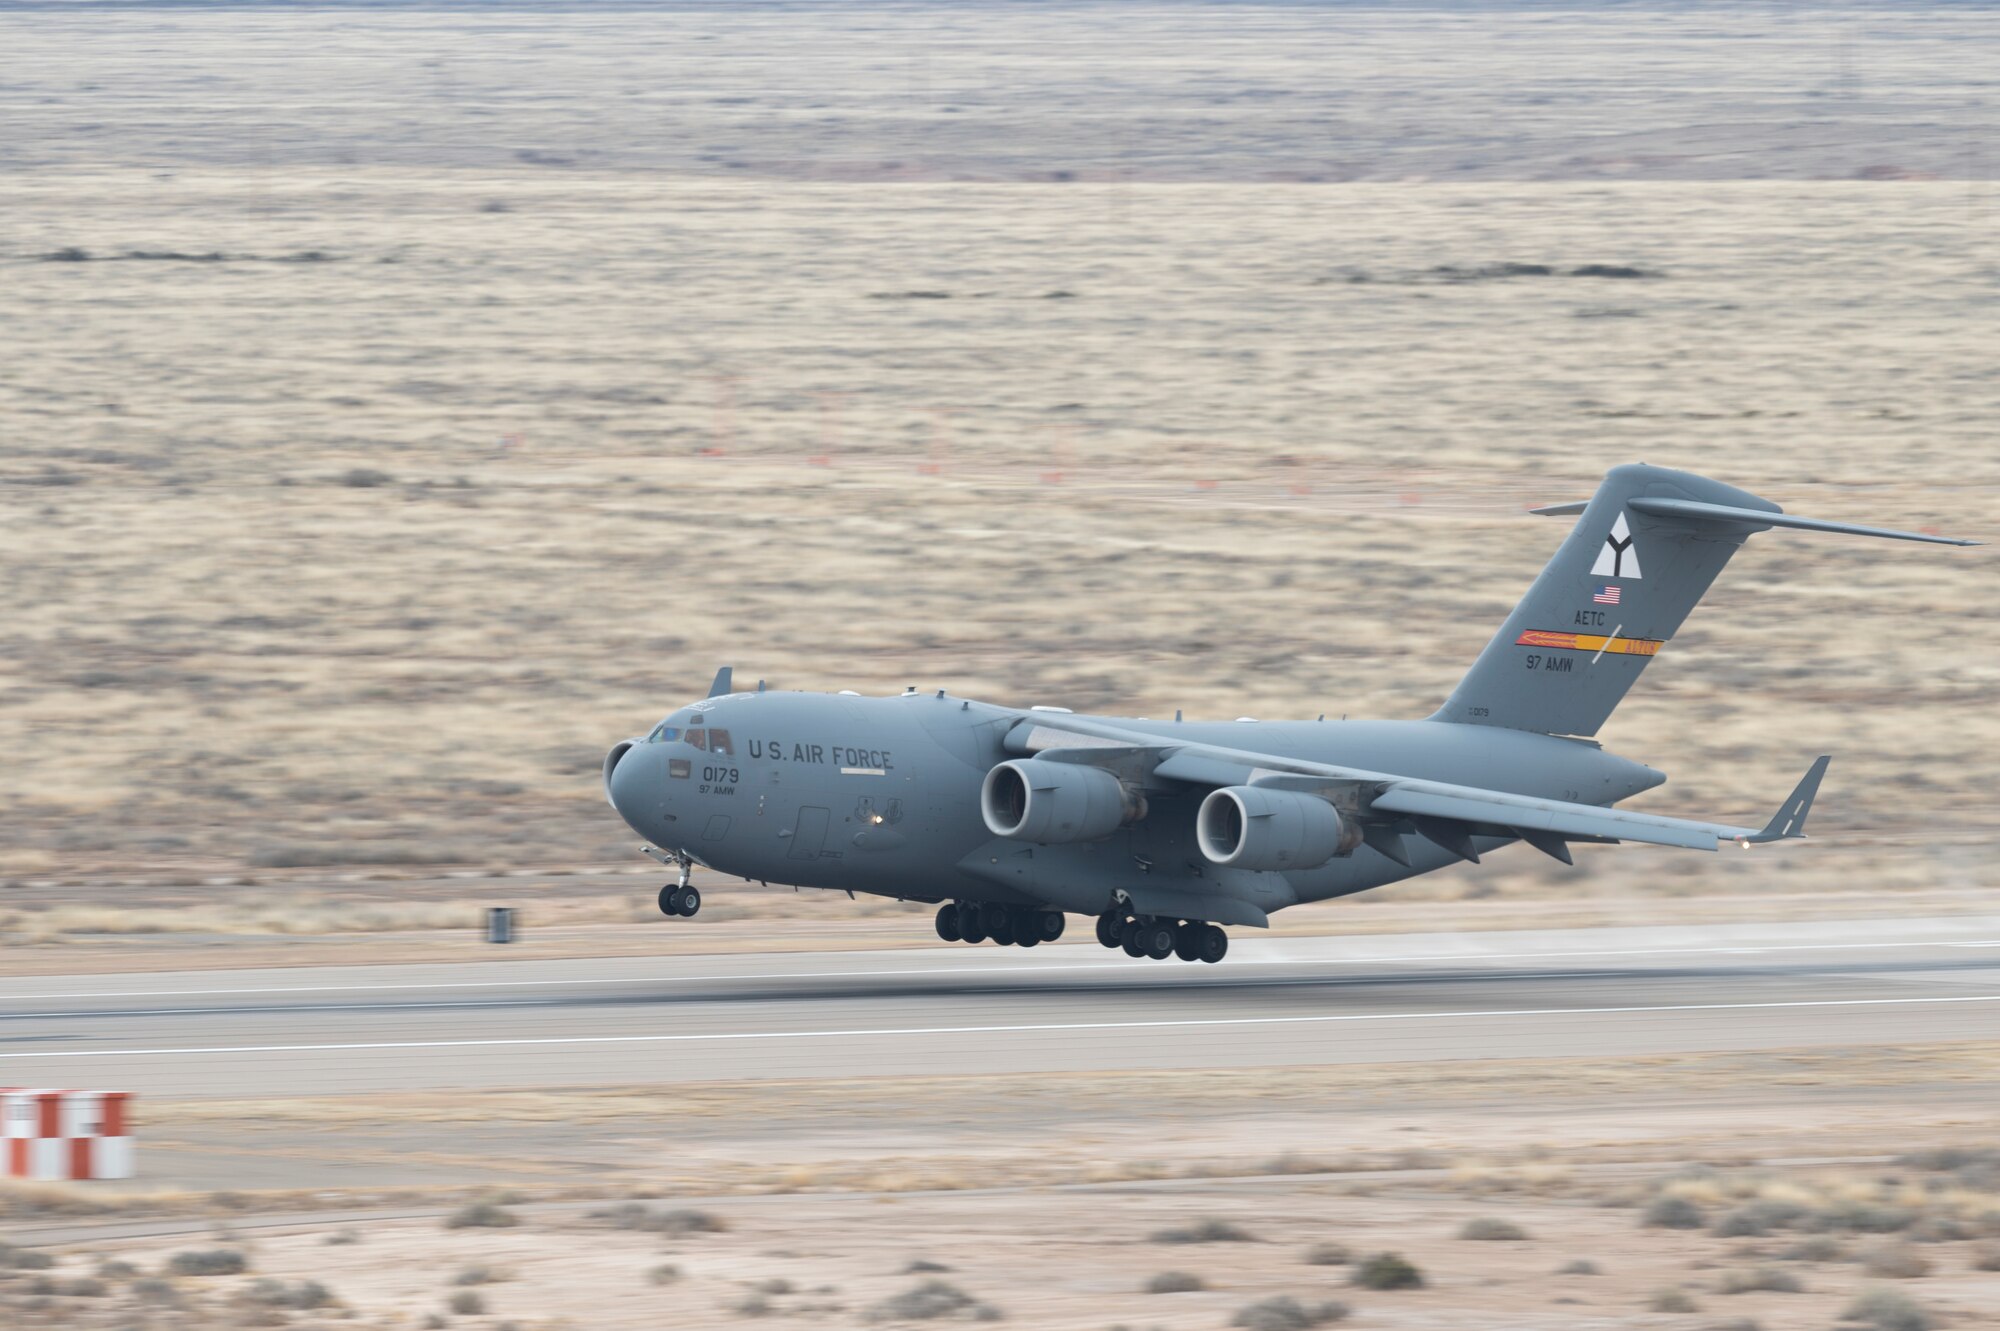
(1011, 818)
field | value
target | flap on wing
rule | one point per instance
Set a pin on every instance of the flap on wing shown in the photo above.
(1527, 813)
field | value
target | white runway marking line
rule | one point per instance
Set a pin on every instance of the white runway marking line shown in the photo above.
(1107, 964)
(1190, 1023)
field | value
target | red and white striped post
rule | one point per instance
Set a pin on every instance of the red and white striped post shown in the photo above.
(53, 1135)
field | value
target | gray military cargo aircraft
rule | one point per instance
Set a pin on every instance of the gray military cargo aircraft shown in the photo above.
(1011, 818)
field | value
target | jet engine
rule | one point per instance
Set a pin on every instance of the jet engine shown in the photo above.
(1030, 799)
(1253, 827)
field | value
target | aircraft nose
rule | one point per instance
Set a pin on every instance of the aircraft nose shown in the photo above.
(630, 783)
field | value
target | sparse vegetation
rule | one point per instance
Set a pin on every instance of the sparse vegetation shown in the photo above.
(1818, 1248)
(1894, 1261)
(1887, 1310)
(1673, 1299)
(635, 1215)
(666, 1273)
(467, 1303)
(478, 1275)
(1492, 1229)
(1328, 1254)
(1175, 1282)
(153, 1290)
(303, 1295)
(929, 1301)
(1673, 1213)
(1285, 1313)
(365, 478)
(1581, 1266)
(341, 1237)
(208, 1262)
(482, 1215)
(1762, 1279)
(1986, 1257)
(1387, 1270)
(1757, 1219)
(924, 1266)
(1206, 1231)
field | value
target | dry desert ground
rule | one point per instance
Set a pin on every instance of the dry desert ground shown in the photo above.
(398, 406)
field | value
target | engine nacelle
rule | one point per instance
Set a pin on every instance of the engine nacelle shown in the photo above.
(1253, 827)
(1029, 799)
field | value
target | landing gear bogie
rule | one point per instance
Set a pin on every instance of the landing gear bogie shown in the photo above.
(1009, 926)
(1145, 936)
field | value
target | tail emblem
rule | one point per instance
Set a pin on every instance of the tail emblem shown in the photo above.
(1617, 559)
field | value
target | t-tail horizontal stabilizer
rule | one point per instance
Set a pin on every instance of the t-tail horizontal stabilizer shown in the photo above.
(1759, 520)
(1790, 819)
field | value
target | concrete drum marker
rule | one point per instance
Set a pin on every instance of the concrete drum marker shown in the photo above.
(59, 1135)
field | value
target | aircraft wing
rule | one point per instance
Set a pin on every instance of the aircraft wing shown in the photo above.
(1441, 811)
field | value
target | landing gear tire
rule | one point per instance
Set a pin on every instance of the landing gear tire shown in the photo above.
(1187, 941)
(1004, 935)
(670, 899)
(947, 922)
(1052, 923)
(690, 900)
(1128, 938)
(1214, 944)
(1156, 940)
(1109, 930)
(970, 929)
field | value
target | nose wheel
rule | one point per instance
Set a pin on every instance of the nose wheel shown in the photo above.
(681, 897)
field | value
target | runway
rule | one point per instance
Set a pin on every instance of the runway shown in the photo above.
(948, 1010)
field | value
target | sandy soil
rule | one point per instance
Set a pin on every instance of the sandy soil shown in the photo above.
(353, 503)
(824, 1195)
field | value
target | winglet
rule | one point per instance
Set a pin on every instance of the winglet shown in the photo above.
(1790, 819)
(722, 683)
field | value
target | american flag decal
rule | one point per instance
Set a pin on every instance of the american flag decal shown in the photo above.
(1606, 595)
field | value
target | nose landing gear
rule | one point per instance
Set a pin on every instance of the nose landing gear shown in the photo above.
(681, 897)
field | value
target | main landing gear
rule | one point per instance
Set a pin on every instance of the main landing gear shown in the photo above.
(681, 897)
(1018, 926)
(1149, 936)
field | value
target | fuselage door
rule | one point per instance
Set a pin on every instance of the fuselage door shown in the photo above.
(809, 834)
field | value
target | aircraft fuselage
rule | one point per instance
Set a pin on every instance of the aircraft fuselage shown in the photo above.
(882, 795)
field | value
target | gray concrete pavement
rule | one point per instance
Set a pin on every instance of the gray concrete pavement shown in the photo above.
(1071, 1006)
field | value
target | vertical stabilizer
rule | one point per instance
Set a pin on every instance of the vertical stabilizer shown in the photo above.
(1610, 600)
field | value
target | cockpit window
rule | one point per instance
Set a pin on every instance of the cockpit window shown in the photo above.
(662, 733)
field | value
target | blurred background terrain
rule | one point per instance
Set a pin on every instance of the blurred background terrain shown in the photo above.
(398, 405)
